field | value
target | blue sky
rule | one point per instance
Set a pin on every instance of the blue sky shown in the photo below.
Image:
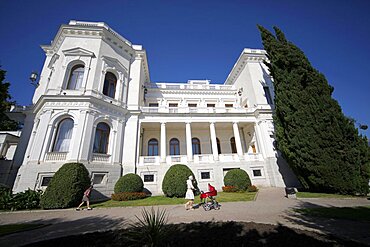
(201, 39)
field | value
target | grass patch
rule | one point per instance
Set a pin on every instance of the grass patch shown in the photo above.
(13, 228)
(322, 195)
(162, 200)
(347, 213)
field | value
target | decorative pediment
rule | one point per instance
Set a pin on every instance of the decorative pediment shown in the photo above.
(114, 63)
(78, 52)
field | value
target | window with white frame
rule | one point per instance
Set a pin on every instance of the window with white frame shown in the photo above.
(44, 180)
(110, 82)
(101, 138)
(206, 175)
(149, 177)
(76, 76)
(257, 173)
(63, 135)
(99, 178)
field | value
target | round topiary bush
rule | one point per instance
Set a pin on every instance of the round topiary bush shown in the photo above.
(174, 182)
(129, 183)
(67, 186)
(237, 178)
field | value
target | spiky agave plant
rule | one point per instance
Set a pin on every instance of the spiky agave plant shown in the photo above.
(150, 229)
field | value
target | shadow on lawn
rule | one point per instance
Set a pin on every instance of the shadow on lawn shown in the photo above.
(58, 227)
(211, 234)
(357, 230)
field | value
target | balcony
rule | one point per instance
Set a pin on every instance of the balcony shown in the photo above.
(164, 109)
(96, 157)
(178, 86)
(149, 160)
(56, 156)
(229, 158)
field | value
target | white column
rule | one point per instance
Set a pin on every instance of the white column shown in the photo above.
(213, 140)
(189, 146)
(40, 140)
(163, 142)
(237, 139)
(259, 141)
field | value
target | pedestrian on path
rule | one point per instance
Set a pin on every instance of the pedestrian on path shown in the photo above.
(86, 198)
(189, 193)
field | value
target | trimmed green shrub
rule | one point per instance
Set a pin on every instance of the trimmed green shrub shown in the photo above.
(252, 188)
(237, 178)
(174, 182)
(67, 186)
(128, 196)
(129, 183)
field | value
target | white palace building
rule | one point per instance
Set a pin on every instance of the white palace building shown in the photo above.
(95, 104)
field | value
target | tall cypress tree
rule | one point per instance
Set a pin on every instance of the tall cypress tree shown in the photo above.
(5, 122)
(320, 144)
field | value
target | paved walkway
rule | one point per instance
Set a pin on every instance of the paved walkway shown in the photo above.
(270, 207)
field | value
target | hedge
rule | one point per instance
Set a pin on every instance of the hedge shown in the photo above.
(129, 183)
(128, 196)
(174, 182)
(237, 178)
(67, 186)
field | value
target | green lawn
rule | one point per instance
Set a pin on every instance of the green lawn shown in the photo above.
(348, 213)
(162, 200)
(8, 229)
(321, 195)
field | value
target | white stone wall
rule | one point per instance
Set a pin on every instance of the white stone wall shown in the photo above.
(133, 123)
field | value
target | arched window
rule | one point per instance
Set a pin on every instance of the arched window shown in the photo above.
(76, 76)
(153, 147)
(110, 82)
(218, 146)
(196, 146)
(101, 138)
(233, 145)
(63, 136)
(174, 147)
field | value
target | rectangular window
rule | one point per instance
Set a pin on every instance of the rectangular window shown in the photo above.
(99, 178)
(153, 104)
(268, 95)
(205, 175)
(45, 181)
(148, 178)
(257, 173)
(173, 105)
(211, 105)
(229, 105)
(192, 105)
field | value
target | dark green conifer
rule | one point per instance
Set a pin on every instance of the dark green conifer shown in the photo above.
(321, 145)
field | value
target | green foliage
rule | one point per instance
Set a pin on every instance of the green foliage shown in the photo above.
(150, 230)
(128, 196)
(252, 188)
(320, 144)
(5, 103)
(129, 183)
(237, 178)
(174, 181)
(28, 199)
(67, 186)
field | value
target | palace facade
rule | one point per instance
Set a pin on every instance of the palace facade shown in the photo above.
(96, 104)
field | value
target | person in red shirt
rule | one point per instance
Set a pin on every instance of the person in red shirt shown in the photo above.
(86, 198)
